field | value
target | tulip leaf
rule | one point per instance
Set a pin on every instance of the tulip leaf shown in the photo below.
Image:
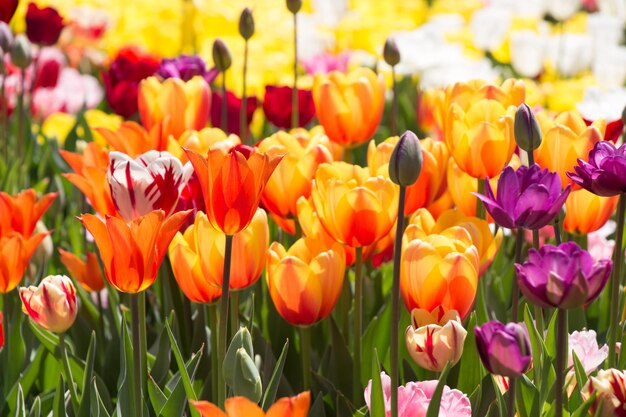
(551, 336)
(125, 385)
(21, 407)
(58, 407)
(583, 410)
(317, 409)
(16, 350)
(377, 400)
(470, 369)
(85, 403)
(376, 336)
(435, 401)
(499, 397)
(27, 378)
(272, 387)
(160, 369)
(157, 397)
(176, 400)
(35, 410)
(97, 408)
(527, 397)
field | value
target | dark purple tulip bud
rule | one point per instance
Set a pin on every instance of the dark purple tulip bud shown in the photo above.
(526, 128)
(6, 37)
(184, 67)
(405, 163)
(246, 24)
(391, 52)
(563, 276)
(605, 172)
(294, 6)
(21, 52)
(529, 197)
(504, 349)
(221, 55)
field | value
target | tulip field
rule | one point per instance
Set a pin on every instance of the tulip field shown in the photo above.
(316, 208)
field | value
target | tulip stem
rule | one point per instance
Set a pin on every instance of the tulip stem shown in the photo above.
(480, 207)
(519, 241)
(137, 323)
(561, 352)
(234, 312)
(395, 302)
(305, 352)
(618, 253)
(394, 104)
(557, 231)
(68, 373)
(212, 318)
(4, 115)
(224, 116)
(223, 332)
(243, 126)
(20, 119)
(358, 312)
(294, 92)
(511, 397)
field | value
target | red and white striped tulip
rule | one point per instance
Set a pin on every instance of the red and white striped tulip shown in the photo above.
(52, 304)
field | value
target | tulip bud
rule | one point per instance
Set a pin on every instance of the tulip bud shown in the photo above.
(405, 163)
(294, 6)
(526, 129)
(221, 55)
(52, 304)
(246, 24)
(6, 37)
(242, 339)
(504, 349)
(391, 52)
(21, 52)
(247, 381)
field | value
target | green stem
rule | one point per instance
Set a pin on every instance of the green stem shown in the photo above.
(243, 125)
(20, 119)
(358, 312)
(480, 207)
(136, 323)
(223, 332)
(618, 253)
(395, 302)
(224, 116)
(393, 123)
(561, 357)
(4, 120)
(519, 241)
(212, 319)
(305, 352)
(68, 373)
(511, 397)
(234, 312)
(557, 231)
(294, 92)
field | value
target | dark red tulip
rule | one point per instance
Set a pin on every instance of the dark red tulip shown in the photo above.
(43, 26)
(7, 10)
(233, 108)
(613, 129)
(277, 106)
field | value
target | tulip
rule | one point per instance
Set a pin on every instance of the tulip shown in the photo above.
(21, 212)
(405, 162)
(52, 304)
(297, 406)
(504, 349)
(132, 252)
(349, 106)
(604, 173)
(609, 386)
(153, 181)
(233, 111)
(438, 270)
(185, 67)
(528, 198)
(43, 25)
(305, 282)
(15, 253)
(355, 208)
(6, 35)
(277, 106)
(434, 342)
(132, 139)
(291, 180)
(201, 141)
(563, 276)
(7, 10)
(585, 345)
(21, 52)
(87, 273)
(246, 23)
(232, 183)
(565, 139)
(185, 104)
(391, 54)
(526, 128)
(586, 212)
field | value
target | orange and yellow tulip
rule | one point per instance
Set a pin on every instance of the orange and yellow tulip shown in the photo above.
(21, 212)
(86, 272)
(566, 138)
(439, 270)
(133, 140)
(132, 252)
(200, 142)
(586, 212)
(232, 183)
(292, 178)
(185, 104)
(305, 281)
(15, 253)
(355, 208)
(297, 406)
(349, 106)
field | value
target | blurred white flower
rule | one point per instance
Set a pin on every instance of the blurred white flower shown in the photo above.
(489, 27)
(571, 53)
(609, 66)
(527, 52)
(613, 7)
(563, 9)
(602, 104)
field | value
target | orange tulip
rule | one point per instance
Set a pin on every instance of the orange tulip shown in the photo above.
(292, 178)
(197, 257)
(15, 253)
(89, 176)
(349, 106)
(200, 142)
(21, 212)
(297, 406)
(305, 281)
(431, 109)
(132, 139)
(511, 92)
(431, 183)
(185, 104)
(566, 138)
(355, 208)
(586, 212)
(232, 183)
(132, 252)
(87, 273)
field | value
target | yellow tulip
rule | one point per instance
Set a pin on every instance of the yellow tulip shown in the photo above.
(586, 212)
(201, 142)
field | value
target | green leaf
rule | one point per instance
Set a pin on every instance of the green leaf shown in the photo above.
(317, 409)
(376, 336)
(499, 397)
(377, 399)
(157, 397)
(551, 336)
(27, 379)
(527, 397)
(48, 339)
(160, 369)
(470, 369)
(581, 375)
(35, 410)
(21, 407)
(272, 386)
(58, 409)
(181, 364)
(583, 410)
(125, 384)
(435, 402)
(85, 403)
(177, 400)
(97, 405)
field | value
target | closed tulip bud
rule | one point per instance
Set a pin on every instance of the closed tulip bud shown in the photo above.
(221, 55)
(52, 304)
(391, 52)
(21, 52)
(504, 349)
(246, 24)
(247, 381)
(6, 36)
(526, 128)
(294, 6)
(241, 340)
(405, 164)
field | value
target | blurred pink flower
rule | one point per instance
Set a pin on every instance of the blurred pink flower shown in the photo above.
(545, 233)
(72, 93)
(325, 63)
(597, 243)
(585, 345)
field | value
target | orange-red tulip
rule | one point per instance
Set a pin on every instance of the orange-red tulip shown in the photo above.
(21, 212)
(185, 104)
(86, 272)
(349, 106)
(52, 304)
(305, 281)
(355, 208)
(15, 253)
(297, 406)
(132, 252)
(133, 140)
(232, 183)
(201, 141)
(586, 212)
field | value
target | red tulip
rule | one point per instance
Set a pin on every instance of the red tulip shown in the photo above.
(43, 26)
(233, 109)
(277, 106)
(7, 10)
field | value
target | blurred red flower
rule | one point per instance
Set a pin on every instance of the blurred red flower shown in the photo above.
(43, 26)
(233, 109)
(277, 106)
(7, 10)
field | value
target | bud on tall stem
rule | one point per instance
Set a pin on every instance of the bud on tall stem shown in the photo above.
(222, 61)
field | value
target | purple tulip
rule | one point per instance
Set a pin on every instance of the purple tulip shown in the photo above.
(563, 276)
(605, 173)
(185, 67)
(504, 349)
(529, 197)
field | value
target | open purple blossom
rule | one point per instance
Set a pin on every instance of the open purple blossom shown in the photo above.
(504, 349)
(529, 197)
(563, 276)
(605, 172)
(186, 67)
